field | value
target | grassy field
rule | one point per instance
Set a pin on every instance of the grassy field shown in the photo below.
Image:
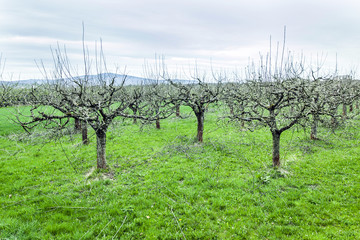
(161, 184)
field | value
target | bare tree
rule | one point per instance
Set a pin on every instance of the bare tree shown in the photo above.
(347, 90)
(273, 94)
(324, 101)
(198, 95)
(138, 97)
(93, 99)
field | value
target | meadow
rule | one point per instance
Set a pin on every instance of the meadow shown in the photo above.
(162, 184)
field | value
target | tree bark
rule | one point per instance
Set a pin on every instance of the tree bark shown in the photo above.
(84, 133)
(242, 121)
(231, 110)
(334, 122)
(177, 110)
(200, 126)
(101, 148)
(157, 123)
(276, 148)
(77, 126)
(135, 113)
(344, 108)
(314, 124)
(351, 108)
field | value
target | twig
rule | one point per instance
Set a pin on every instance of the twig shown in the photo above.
(104, 228)
(72, 207)
(71, 164)
(13, 204)
(119, 227)
(177, 221)
(89, 230)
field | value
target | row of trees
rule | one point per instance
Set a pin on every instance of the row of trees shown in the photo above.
(277, 97)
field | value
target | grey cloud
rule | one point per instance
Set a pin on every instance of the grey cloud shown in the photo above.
(185, 29)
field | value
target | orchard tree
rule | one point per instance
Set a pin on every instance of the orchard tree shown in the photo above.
(198, 95)
(272, 96)
(325, 97)
(93, 99)
(154, 95)
(347, 90)
(137, 96)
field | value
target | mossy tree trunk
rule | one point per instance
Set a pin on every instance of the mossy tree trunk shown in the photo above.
(84, 133)
(200, 126)
(177, 107)
(314, 125)
(101, 148)
(158, 124)
(344, 110)
(77, 123)
(276, 148)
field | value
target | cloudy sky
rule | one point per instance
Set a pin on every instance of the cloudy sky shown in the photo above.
(224, 34)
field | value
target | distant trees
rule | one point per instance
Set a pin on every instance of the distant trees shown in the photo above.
(198, 96)
(347, 91)
(7, 94)
(157, 96)
(323, 102)
(6, 88)
(137, 95)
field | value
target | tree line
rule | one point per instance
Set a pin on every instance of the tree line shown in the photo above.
(276, 93)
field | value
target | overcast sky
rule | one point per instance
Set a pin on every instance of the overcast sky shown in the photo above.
(224, 33)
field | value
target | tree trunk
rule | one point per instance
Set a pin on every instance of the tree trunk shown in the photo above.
(101, 148)
(242, 121)
(276, 148)
(177, 110)
(134, 113)
(334, 122)
(77, 126)
(314, 124)
(157, 123)
(351, 108)
(84, 133)
(200, 126)
(344, 110)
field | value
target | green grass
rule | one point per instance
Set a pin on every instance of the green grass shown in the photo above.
(163, 185)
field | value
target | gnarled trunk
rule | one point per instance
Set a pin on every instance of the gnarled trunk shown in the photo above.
(84, 133)
(314, 124)
(77, 126)
(157, 123)
(200, 126)
(344, 109)
(231, 110)
(134, 113)
(101, 148)
(276, 148)
(177, 110)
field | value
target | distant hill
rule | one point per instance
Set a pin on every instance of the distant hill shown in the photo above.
(94, 79)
